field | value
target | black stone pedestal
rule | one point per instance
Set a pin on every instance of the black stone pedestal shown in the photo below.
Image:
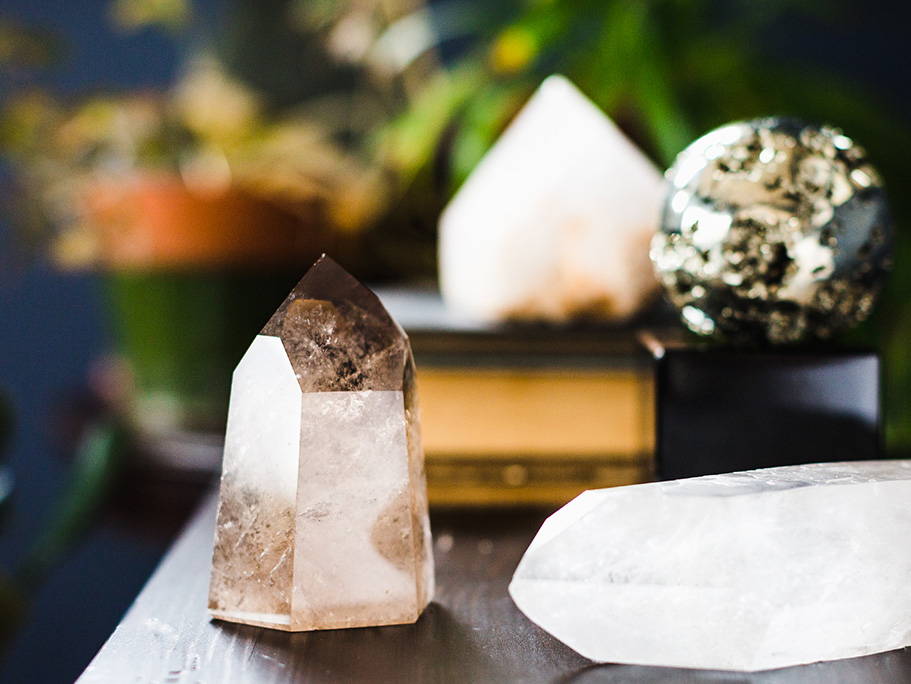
(722, 410)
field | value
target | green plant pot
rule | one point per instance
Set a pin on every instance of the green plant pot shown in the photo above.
(182, 333)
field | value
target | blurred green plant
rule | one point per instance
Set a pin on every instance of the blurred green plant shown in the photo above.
(97, 463)
(95, 467)
(666, 70)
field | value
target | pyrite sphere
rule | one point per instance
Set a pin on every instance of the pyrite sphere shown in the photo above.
(773, 231)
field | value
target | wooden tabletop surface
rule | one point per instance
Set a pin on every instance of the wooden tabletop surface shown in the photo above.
(472, 632)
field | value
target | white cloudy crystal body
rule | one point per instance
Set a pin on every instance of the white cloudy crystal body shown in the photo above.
(322, 518)
(556, 220)
(746, 571)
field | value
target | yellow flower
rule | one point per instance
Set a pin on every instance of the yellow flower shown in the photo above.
(513, 50)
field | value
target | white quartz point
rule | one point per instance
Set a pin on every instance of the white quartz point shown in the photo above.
(746, 571)
(556, 220)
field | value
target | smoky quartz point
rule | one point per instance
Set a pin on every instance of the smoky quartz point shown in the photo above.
(322, 516)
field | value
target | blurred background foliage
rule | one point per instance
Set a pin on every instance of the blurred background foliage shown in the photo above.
(363, 117)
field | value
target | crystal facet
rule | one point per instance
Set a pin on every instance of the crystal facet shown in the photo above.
(745, 571)
(322, 516)
(556, 220)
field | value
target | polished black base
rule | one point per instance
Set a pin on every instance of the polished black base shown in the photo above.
(722, 410)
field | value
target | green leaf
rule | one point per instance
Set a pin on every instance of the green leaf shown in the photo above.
(410, 141)
(94, 467)
(481, 123)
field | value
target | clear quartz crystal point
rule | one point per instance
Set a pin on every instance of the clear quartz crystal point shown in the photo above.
(745, 571)
(556, 219)
(322, 515)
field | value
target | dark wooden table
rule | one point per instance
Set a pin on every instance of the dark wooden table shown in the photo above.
(472, 632)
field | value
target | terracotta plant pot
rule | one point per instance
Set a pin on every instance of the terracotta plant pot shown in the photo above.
(157, 222)
(191, 279)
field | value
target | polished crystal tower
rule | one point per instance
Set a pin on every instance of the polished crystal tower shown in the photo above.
(744, 571)
(322, 514)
